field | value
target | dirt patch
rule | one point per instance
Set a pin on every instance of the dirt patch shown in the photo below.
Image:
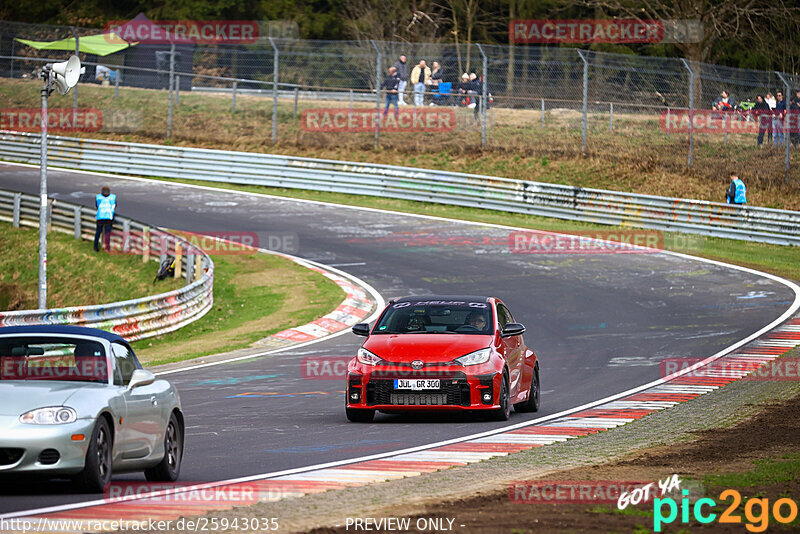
(772, 434)
(12, 297)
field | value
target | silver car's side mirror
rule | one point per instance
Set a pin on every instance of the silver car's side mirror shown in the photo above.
(141, 377)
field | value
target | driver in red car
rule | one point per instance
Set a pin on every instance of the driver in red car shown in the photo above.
(477, 320)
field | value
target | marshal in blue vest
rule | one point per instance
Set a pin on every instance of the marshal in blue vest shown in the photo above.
(106, 206)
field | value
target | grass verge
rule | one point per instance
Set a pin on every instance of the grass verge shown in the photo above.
(776, 259)
(255, 296)
(76, 275)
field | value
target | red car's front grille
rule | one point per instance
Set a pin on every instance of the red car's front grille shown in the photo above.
(454, 391)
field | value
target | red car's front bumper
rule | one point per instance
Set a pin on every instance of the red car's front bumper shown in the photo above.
(461, 388)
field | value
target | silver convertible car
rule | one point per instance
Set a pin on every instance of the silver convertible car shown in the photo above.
(76, 402)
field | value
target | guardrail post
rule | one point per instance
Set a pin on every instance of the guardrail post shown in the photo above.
(233, 101)
(786, 135)
(146, 244)
(275, 59)
(585, 99)
(16, 213)
(76, 221)
(189, 267)
(116, 85)
(171, 80)
(377, 93)
(126, 235)
(483, 97)
(178, 258)
(691, 112)
(611, 117)
(296, 95)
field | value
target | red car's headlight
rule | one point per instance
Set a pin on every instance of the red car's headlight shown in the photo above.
(367, 358)
(475, 358)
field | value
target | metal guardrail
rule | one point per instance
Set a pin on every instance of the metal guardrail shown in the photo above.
(132, 319)
(519, 196)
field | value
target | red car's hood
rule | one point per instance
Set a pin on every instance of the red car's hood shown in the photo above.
(425, 347)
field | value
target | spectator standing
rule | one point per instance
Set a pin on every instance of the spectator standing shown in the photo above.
(420, 77)
(401, 69)
(737, 192)
(106, 203)
(761, 112)
(794, 118)
(436, 78)
(770, 100)
(463, 88)
(777, 118)
(391, 84)
(724, 102)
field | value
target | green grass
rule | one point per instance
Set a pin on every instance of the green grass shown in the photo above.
(254, 296)
(765, 473)
(776, 259)
(76, 275)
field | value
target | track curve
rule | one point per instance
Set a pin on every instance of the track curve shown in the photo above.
(600, 324)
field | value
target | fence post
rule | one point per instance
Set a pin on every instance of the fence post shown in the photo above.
(667, 123)
(177, 89)
(178, 258)
(16, 213)
(171, 80)
(585, 99)
(377, 93)
(116, 84)
(726, 118)
(611, 117)
(543, 113)
(75, 89)
(126, 235)
(275, 60)
(483, 97)
(233, 102)
(350, 109)
(12, 57)
(786, 135)
(76, 222)
(296, 95)
(691, 112)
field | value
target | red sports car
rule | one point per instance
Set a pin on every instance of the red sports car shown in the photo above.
(442, 353)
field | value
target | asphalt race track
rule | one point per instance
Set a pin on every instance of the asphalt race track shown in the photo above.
(599, 323)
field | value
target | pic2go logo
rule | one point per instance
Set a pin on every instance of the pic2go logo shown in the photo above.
(784, 510)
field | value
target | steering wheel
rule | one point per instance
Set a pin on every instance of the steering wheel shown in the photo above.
(467, 328)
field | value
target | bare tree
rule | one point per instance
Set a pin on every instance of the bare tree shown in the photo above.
(394, 20)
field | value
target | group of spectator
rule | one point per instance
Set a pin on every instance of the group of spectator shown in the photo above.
(769, 111)
(425, 81)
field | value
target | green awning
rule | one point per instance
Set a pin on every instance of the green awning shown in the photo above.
(100, 45)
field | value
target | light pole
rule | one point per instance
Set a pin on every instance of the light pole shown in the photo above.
(63, 76)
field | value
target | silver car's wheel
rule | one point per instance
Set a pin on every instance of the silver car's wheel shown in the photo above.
(168, 469)
(97, 467)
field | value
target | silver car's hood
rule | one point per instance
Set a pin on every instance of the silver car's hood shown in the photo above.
(20, 396)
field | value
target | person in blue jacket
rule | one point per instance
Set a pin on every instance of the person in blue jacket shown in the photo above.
(737, 192)
(106, 203)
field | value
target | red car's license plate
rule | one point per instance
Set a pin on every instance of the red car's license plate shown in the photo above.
(416, 384)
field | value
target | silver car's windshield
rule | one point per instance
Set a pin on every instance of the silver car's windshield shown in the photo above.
(436, 317)
(52, 358)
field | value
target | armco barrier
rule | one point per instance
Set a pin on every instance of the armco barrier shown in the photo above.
(504, 194)
(132, 319)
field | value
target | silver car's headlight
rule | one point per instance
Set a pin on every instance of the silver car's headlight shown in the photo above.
(367, 358)
(52, 415)
(475, 358)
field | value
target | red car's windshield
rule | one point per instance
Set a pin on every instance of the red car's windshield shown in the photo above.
(436, 317)
(52, 358)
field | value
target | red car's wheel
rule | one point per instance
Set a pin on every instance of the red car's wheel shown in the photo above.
(532, 404)
(504, 411)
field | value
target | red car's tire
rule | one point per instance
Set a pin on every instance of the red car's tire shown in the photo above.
(532, 404)
(504, 411)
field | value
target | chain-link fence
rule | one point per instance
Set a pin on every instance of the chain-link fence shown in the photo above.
(536, 101)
